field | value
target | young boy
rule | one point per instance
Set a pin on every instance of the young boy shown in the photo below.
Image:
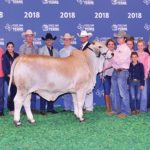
(136, 83)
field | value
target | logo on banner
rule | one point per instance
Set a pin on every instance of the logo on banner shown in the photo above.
(119, 2)
(85, 2)
(99, 92)
(2, 41)
(146, 2)
(37, 41)
(74, 42)
(102, 39)
(1, 14)
(51, 2)
(14, 27)
(14, 1)
(147, 27)
(136, 39)
(50, 27)
(87, 27)
(118, 27)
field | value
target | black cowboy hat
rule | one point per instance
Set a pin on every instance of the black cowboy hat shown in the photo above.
(49, 36)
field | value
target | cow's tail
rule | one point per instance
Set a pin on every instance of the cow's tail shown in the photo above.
(12, 74)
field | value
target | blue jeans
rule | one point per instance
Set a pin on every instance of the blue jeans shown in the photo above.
(107, 85)
(33, 101)
(43, 103)
(143, 107)
(135, 95)
(120, 93)
(1, 94)
(148, 92)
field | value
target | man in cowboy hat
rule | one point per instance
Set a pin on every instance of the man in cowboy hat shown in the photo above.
(65, 52)
(29, 48)
(48, 50)
(84, 38)
(120, 63)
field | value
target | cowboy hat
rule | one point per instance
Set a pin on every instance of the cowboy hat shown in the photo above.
(28, 32)
(48, 36)
(121, 34)
(67, 36)
(84, 33)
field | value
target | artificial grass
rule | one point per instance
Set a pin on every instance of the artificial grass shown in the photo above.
(63, 131)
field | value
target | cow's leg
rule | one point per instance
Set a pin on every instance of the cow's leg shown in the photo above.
(18, 102)
(27, 106)
(80, 103)
(74, 96)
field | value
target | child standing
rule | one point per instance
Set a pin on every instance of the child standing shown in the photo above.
(136, 83)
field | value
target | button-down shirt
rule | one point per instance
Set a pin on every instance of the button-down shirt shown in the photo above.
(1, 69)
(143, 58)
(83, 45)
(26, 49)
(65, 52)
(121, 57)
(136, 72)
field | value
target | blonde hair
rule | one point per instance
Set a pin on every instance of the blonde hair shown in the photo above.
(141, 41)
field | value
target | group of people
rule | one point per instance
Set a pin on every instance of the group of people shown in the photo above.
(125, 78)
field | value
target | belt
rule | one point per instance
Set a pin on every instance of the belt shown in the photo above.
(135, 80)
(120, 69)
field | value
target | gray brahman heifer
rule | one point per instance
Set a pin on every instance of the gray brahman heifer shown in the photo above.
(50, 77)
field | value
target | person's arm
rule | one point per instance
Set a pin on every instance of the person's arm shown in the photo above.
(5, 65)
(142, 81)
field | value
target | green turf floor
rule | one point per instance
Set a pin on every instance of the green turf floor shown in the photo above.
(64, 132)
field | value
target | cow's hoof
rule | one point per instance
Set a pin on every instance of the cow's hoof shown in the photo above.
(32, 121)
(17, 123)
(82, 120)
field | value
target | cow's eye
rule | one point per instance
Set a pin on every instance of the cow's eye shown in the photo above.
(93, 43)
(100, 47)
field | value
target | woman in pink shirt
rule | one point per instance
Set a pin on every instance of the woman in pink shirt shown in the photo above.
(1, 85)
(143, 58)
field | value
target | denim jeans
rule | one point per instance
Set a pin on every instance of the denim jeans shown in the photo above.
(43, 103)
(33, 101)
(68, 102)
(143, 107)
(1, 94)
(148, 92)
(135, 95)
(120, 93)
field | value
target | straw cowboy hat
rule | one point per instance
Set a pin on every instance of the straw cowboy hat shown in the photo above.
(28, 32)
(48, 36)
(121, 34)
(67, 36)
(84, 33)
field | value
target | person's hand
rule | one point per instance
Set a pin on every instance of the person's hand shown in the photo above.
(141, 88)
(8, 75)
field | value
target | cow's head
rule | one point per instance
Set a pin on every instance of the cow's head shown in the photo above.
(101, 52)
(100, 49)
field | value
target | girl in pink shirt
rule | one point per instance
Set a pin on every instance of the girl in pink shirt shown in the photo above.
(143, 58)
